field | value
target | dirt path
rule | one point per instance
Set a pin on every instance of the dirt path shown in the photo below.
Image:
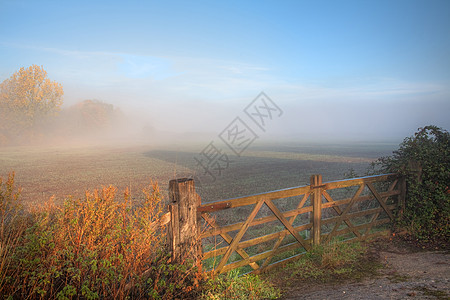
(406, 274)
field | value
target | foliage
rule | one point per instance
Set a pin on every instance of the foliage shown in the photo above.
(425, 161)
(231, 286)
(91, 248)
(27, 99)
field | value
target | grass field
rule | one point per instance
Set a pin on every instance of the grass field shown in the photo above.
(43, 172)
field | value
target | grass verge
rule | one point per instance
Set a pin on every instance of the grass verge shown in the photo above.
(233, 286)
(331, 263)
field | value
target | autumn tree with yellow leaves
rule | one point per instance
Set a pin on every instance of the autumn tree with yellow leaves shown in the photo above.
(27, 100)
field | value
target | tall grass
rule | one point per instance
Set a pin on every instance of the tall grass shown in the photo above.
(233, 286)
(90, 248)
(12, 227)
(331, 261)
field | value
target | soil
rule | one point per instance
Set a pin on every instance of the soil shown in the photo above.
(408, 271)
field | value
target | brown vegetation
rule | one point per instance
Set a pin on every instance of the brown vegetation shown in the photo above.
(94, 247)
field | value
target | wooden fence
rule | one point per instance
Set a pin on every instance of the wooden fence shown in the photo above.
(276, 227)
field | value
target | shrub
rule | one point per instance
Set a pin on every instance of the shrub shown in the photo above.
(425, 161)
(92, 248)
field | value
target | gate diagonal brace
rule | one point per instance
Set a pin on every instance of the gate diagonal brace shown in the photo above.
(286, 224)
(239, 235)
(339, 212)
(391, 188)
(380, 200)
(281, 238)
(229, 239)
(344, 213)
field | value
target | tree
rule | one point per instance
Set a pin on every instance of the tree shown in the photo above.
(27, 98)
(96, 114)
(425, 161)
(93, 116)
(88, 120)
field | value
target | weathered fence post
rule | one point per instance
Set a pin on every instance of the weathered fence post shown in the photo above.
(316, 194)
(184, 228)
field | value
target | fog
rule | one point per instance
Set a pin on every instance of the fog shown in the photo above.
(311, 114)
(307, 115)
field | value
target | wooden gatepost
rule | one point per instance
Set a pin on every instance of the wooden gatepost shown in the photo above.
(184, 228)
(316, 216)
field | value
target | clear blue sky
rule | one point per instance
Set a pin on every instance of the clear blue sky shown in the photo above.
(355, 63)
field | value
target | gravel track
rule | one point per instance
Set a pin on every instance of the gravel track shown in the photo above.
(407, 274)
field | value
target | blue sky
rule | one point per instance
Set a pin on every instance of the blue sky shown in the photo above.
(354, 63)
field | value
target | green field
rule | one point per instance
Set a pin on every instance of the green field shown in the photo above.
(43, 172)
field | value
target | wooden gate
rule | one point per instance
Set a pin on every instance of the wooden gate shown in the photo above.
(272, 228)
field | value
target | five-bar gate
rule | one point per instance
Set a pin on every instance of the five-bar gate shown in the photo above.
(264, 230)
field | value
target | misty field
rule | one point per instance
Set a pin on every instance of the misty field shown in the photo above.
(43, 172)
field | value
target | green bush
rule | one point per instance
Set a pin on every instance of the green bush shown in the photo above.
(425, 161)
